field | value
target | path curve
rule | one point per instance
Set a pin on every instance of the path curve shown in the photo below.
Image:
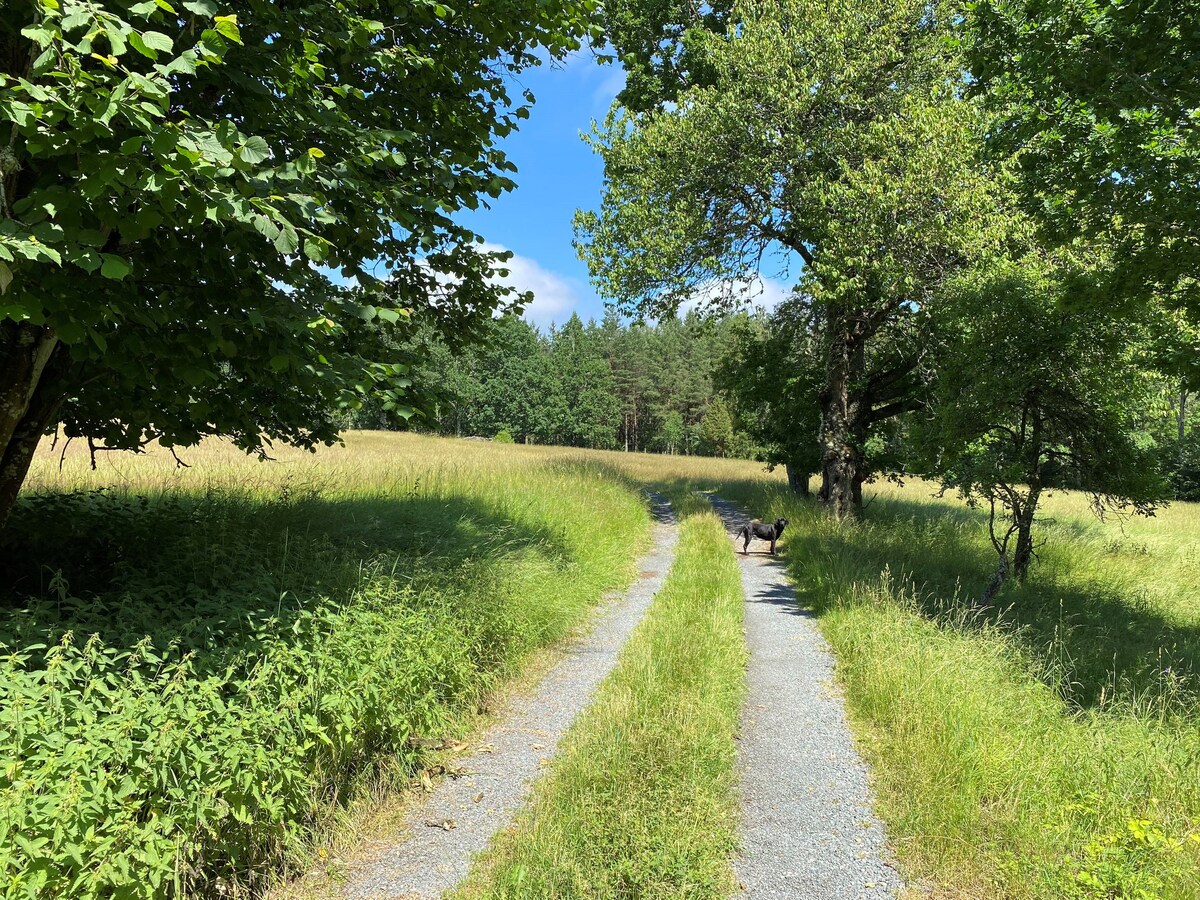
(808, 829)
(436, 856)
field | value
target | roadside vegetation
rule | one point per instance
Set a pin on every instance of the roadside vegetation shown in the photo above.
(640, 801)
(1045, 748)
(203, 665)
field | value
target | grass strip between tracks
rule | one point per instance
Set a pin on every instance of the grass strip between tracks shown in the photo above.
(641, 801)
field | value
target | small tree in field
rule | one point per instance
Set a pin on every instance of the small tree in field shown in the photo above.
(178, 189)
(1033, 395)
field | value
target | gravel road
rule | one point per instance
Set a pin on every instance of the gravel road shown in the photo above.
(460, 816)
(808, 830)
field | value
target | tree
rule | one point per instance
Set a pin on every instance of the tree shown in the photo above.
(835, 130)
(774, 370)
(1033, 393)
(180, 190)
(716, 428)
(592, 411)
(1098, 104)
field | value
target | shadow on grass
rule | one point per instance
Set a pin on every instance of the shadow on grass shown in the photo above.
(1100, 645)
(202, 573)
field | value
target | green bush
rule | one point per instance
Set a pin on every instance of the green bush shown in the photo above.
(503, 436)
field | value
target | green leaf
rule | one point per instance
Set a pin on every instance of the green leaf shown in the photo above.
(138, 44)
(6, 277)
(156, 40)
(201, 7)
(287, 241)
(114, 267)
(254, 150)
(227, 26)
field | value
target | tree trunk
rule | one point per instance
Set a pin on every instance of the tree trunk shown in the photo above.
(997, 582)
(1182, 424)
(30, 394)
(843, 423)
(797, 477)
(1024, 521)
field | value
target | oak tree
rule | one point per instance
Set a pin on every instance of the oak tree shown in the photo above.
(836, 130)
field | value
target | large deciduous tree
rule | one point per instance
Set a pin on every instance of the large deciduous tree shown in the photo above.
(774, 368)
(181, 193)
(1099, 102)
(836, 130)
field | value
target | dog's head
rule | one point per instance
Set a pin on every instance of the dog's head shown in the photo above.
(779, 525)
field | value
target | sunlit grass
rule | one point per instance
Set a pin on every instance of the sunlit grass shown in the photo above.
(640, 800)
(244, 647)
(1051, 749)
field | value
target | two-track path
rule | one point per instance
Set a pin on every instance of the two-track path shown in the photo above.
(454, 821)
(808, 830)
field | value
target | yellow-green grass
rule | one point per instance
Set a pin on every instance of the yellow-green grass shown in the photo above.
(1012, 752)
(236, 649)
(1047, 749)
(640, 801)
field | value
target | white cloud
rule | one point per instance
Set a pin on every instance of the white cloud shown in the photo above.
(767, 293)
(554, 296)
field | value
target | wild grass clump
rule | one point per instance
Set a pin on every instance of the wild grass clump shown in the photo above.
(640, 801)
(197, 668)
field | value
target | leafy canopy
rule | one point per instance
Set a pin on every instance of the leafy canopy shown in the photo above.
(835, 130)
(183, 188)
(1100, 103)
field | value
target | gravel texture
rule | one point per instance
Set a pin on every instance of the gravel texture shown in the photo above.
(460, 816)
(808, 830)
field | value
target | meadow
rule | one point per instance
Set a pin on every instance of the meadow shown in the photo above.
(201, 666)
(217, 659)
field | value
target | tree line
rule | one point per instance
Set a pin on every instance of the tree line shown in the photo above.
(603, 385)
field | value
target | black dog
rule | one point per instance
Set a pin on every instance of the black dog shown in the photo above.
(766, 531)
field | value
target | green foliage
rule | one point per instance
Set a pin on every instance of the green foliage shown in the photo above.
(503, 436)
(184, 191)
(774, 372)
(1033, 393)
(834, 132)
(643, 387)
(1099, 103)
(183, 700)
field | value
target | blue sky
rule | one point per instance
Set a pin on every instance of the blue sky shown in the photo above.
(557, 173)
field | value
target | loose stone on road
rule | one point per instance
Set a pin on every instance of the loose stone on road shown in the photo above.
(808, 829)
(454, 822)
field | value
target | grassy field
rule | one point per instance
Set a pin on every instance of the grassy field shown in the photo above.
(1049, 749)
(640, 801)
(199, 667)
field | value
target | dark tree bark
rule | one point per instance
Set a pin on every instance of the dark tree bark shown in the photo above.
(844, 420)
(32, 365)
(797, 477)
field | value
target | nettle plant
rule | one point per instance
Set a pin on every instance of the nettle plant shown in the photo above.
(185, 194)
